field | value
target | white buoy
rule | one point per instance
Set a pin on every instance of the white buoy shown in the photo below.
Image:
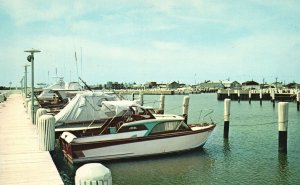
(46, 132)
(226, 117)
(283, 108)
(185, 108)
(39, 113)
(162, 104)
(93, 174)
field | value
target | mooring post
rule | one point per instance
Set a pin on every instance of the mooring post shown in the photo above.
(273, 98)
(93, 173)
(46, 132)
(141, 98)
(228, 93)
(260, 96)
(185, 108)
(283, 108)
(298, 101)
(161, 108)
(239, 96)
(249, 96)
(226, 117)
(132, 96)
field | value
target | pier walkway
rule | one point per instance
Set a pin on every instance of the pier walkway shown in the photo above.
(21, 162)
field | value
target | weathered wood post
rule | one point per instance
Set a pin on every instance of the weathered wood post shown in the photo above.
(249, 96)
(226, 117)
(39, 113)
(141, 98)
(239, 96)
(228, 93)
(46, 132)
(273, 98)
(298, 101)
(260, 96)
(283, 108)
(93, 173)
(185, 108)
(161, 108)
(132, 96)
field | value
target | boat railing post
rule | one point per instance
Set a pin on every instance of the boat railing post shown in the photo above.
(283, 108)
(226, 117)
(185, 108)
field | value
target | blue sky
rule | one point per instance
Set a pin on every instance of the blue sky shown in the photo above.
(139, 41)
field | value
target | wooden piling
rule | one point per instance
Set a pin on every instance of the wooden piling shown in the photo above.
(228, 93)
(273, 98)
(260, 97)
(239, 96)
(161, 108)
(185, 108)
(93, 173)
(298, 101)
(226, 117)
(141, 98)
(249, 96)
(46, 132)
(283, 108)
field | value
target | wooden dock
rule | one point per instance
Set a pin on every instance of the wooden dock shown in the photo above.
(21, 162)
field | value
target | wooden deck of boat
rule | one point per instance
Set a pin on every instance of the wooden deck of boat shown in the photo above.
(21, 162)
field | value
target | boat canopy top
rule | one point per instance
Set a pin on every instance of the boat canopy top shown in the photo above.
(86, 106)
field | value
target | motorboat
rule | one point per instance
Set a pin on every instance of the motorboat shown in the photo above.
(89, 110)
(134, 132)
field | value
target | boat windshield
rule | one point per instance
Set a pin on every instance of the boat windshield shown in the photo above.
(169, 126)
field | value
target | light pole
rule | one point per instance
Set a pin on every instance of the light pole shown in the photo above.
(30, 58)
(25, 83)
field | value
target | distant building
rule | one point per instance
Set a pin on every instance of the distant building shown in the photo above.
(211, 85)
(113, 85)
(151, 85)
(175, 85)
(231, 85)
(250, 85)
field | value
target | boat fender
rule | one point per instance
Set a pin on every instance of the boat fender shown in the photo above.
(68, 137)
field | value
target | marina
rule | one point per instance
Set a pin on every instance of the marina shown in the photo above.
(149, 92)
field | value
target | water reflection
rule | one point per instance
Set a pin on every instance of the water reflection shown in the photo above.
(283, 168)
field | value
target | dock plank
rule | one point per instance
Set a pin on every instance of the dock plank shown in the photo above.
(21, 162)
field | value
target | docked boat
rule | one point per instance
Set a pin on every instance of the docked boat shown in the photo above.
(134, 132)
(89, 110)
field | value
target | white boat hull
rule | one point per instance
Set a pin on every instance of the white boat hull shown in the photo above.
(144, 148)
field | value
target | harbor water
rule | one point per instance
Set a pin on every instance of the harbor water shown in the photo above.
(249, 156)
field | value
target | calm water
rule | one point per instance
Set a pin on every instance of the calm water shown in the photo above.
(249, 156)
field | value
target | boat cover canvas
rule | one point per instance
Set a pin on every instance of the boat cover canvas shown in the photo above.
(84, 107)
